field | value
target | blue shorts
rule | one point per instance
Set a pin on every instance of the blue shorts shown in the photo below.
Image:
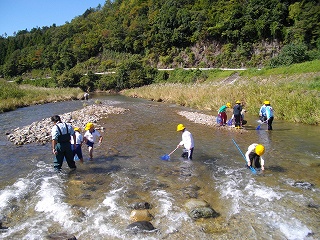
(90, 144)
(78, 151)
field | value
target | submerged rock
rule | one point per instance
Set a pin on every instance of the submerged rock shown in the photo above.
(2, 228)
(141, 226)
(140, 215)
(61, 236)
(190, 191)
(203, 212)
(303, 185)
(195, 203)
(313, 205)
(141, 205)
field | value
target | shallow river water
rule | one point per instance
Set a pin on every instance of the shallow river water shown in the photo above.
(93, 202)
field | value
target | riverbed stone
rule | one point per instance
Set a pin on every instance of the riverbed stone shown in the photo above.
(203, 212)
(141, 205)
(140, 226)
(195, 203)
(303, 185)
(190, 191)
(140, 215)
(61, 236)
(2, 228)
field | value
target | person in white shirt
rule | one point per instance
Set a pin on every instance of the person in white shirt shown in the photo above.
(187, 142)
(90, 137)
(253, 156)
(79, 140)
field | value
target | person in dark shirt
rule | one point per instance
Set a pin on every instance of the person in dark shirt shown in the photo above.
(237, 114)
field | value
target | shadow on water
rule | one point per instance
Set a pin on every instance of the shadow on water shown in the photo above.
(108, 170)
(274, 168)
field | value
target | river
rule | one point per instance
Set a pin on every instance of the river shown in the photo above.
(93, 202)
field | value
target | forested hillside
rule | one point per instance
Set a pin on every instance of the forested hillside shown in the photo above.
(133, 37)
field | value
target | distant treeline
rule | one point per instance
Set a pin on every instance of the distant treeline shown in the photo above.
(134, 37)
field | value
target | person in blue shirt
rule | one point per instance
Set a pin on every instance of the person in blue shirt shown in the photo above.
(262, 112)
(269, 115)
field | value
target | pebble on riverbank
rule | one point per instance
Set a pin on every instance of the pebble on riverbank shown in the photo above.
(40, 132)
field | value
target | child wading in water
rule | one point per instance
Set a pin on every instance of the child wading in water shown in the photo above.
(90, 137)
(79, 140)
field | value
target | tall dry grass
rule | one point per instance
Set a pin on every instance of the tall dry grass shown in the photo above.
(294, 97)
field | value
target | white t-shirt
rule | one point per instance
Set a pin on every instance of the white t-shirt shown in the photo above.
(92, 136)
(187, 140)
(252, 148)
(79, 138)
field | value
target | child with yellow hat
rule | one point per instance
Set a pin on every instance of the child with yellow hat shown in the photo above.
(253, 155)
(79, 140)
(90, 137)
(222, 113)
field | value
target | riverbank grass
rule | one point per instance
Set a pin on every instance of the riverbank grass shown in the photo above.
(293, 91)
(13, 96)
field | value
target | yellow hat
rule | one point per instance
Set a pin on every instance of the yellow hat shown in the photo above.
(259, 149)
(180, 127)
(76, 129)
(238, 101)
(89, 125)
(266, 102)
(228, 105)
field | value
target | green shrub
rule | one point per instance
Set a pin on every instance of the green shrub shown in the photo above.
(290, 54)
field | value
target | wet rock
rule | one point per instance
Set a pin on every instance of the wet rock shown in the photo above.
(203, 212)
(89, 188)
(303, 185)
(162, 185)
(61, 236)
(141, 226)
(195, 203)
(140, 215)
(313, 205)
(141, 205)
(85, 196)
(79, 214)
(2, 228)
(190, 191)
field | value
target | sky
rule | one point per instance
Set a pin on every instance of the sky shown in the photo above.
(18, 15)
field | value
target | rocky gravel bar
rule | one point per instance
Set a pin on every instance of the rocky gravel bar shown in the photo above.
(40, 131)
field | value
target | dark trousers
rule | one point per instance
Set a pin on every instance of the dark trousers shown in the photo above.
(270, 123)
(63, 151)
(254, 158)
(187, 153)
(78, 151)
(237, 120)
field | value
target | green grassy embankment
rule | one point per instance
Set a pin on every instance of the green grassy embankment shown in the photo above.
(294, 91)
(13, 96)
